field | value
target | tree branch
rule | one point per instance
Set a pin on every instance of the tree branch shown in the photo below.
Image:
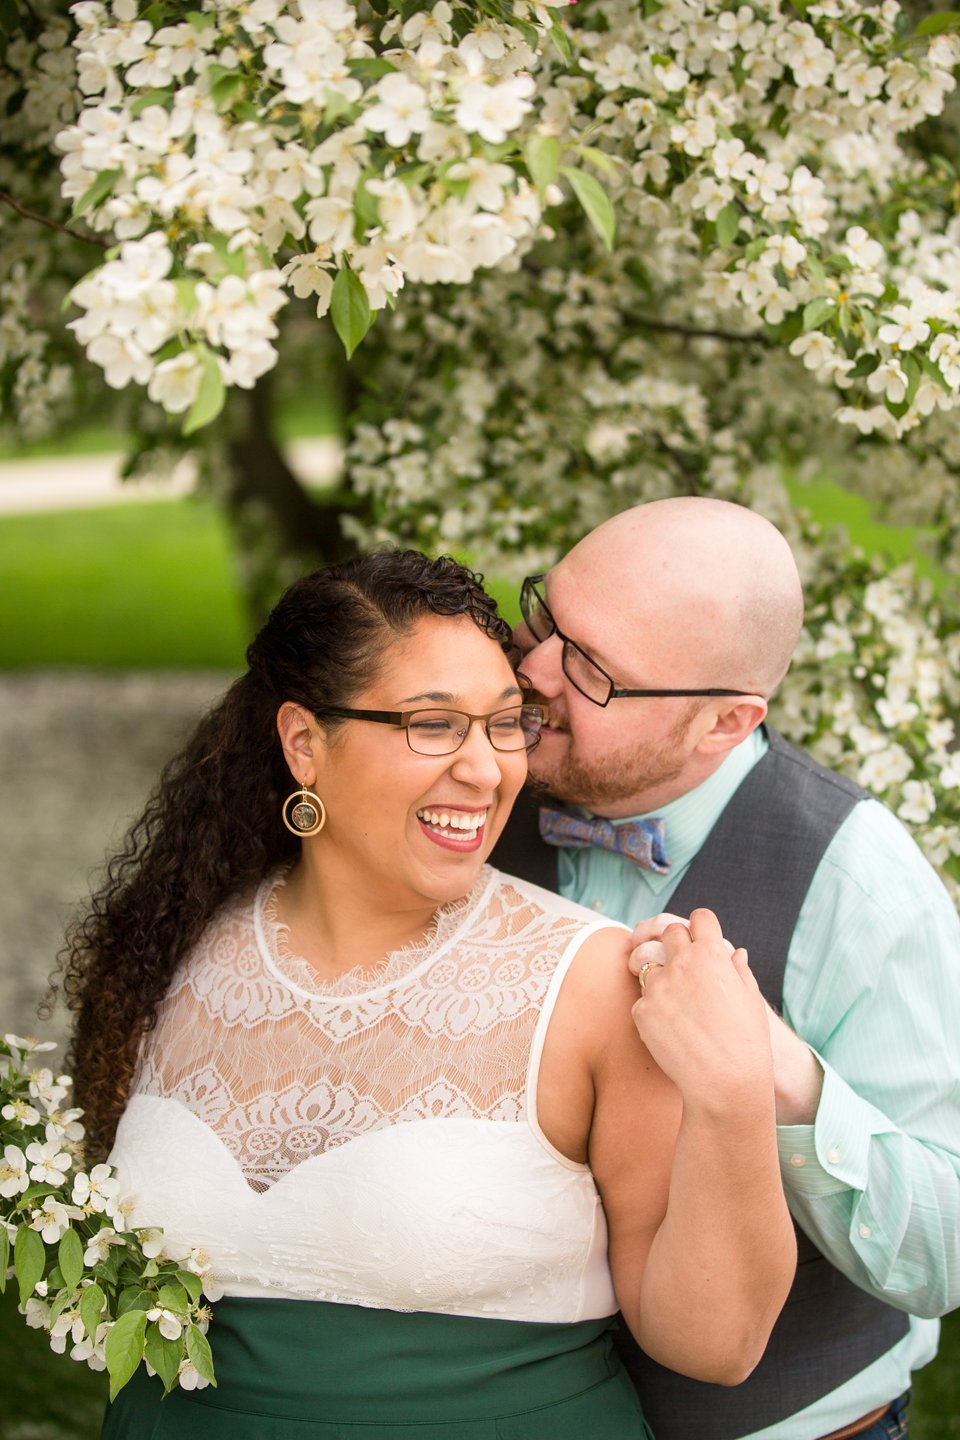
(696, 332)
(52, 224)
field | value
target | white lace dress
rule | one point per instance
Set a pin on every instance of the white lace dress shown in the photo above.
(373, 1141)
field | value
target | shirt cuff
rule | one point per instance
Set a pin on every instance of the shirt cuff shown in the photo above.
(831, 1154)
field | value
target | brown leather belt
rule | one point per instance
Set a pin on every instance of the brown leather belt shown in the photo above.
(857, 1427)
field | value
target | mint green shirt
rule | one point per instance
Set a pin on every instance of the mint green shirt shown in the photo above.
(875, 1181)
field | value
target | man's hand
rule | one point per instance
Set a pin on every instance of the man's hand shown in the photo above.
(798, 1078)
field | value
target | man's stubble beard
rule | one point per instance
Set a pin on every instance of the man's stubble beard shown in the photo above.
(608, 780)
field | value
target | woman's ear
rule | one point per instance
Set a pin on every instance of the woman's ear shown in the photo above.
(299, 737)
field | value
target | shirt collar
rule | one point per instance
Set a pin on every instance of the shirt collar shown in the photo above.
(690, 818)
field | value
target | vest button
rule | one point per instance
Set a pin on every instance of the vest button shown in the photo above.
(797, 1160)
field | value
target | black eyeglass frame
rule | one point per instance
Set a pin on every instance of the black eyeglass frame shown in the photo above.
(529, 587)
(401, 719)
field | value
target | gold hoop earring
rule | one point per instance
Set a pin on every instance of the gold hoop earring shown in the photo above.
(308, 815)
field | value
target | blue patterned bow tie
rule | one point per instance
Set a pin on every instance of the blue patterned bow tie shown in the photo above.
(638, 840)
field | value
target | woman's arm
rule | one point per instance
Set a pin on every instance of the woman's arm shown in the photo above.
(682, 1144)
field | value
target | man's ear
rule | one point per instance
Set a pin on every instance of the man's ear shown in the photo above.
(732, 724)
(299, 738)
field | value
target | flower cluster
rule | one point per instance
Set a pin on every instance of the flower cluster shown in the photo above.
(337, 149)
(874, 690)
(116, 1296)
(765, 145)
(37, 97)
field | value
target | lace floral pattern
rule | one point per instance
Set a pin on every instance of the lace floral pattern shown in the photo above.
(283, 1068)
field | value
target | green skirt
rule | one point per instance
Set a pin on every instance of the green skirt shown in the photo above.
(303, 1370)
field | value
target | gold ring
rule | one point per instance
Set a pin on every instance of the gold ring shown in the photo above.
(642, 973)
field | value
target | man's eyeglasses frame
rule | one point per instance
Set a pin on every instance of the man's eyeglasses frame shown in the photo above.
(614, 692)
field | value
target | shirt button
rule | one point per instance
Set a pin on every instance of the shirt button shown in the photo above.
(596, 904)
(797, 1160)
(865, 1232)
(834, 1155)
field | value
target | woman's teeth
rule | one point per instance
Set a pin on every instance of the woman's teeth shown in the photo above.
(455, 825)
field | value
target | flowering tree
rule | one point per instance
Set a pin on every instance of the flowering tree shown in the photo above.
(575, 258)
(117, 1296)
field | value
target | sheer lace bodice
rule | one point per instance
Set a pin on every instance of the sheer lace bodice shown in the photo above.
(282, 1067)
(372, 1142)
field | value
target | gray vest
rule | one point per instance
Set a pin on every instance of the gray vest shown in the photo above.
(754, 871)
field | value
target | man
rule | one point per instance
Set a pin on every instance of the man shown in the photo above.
(654, 647)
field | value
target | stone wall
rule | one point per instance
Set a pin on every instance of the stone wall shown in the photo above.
(79, 753)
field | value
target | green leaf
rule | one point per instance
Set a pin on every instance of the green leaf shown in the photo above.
(29, 1259)
(933, 372)
(865, 366)
(186, 289)
(224, 91)
(134, 1299)
(210, 397)
(198, 1349)
(607, 164)
(63, 1301)
(4, 1257)
(199, 20)
(124, 1349)
(350, 310)
(164, 1355)
(366, 207)
(728, 224)
(542, 154)
(91, 1308)
(938, 23)
(151, 97)
(96, 193)
(172, 1297)
(371, 67)
(336, 107)
(914, 374)
(192, 1284)
(70, 1258)
(561, 39)
(595, 203)
(35, 1192)
(816, 311)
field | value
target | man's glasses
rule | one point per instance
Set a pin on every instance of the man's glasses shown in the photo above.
(442, 732)
(583, 673)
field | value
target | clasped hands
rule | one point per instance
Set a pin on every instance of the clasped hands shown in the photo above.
(703, 1018)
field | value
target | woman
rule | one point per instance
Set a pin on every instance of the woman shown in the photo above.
(365, 1071)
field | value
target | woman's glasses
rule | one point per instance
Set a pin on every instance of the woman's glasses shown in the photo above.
(442, 732)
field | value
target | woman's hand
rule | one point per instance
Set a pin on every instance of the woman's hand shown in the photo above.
(701, 1014)
(798, 1077)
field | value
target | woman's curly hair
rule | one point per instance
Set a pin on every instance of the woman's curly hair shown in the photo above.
(212, 829)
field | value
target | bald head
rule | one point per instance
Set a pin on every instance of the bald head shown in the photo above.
(710, 585)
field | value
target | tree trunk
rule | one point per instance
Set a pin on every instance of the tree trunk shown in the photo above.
(280, 529)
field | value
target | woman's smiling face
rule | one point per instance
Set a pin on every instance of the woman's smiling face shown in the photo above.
(416, 827)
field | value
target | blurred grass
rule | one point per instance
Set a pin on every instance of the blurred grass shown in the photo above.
(830, 504)
(142, 586)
